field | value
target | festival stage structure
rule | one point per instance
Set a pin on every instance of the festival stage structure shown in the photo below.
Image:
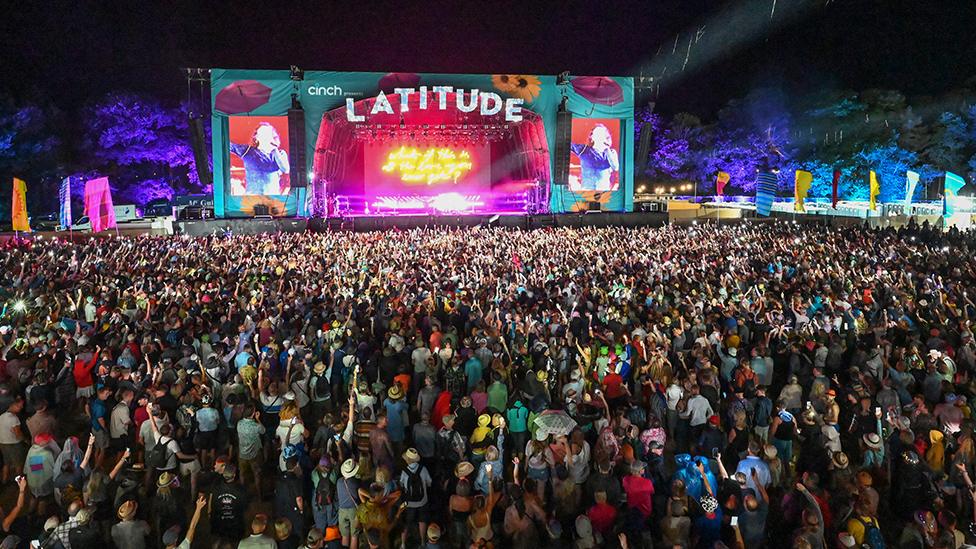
(341, 144)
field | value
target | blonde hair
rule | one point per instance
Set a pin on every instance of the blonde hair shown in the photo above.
(282, 529)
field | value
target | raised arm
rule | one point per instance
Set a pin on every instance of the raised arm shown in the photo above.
(201, 503)
(8, 521)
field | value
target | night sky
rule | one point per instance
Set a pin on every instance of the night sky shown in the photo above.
(71, 53)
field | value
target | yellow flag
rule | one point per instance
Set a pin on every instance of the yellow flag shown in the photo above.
(801, 185)
(875, 190)
(18, 209)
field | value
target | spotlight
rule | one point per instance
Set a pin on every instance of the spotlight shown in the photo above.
(642, 188)
(673, 190)
(19, 305)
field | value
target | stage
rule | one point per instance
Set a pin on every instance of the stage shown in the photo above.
(364, 223)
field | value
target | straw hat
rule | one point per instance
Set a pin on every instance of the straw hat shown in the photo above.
(127, 510)
(434, 532)
(872, 440)
(319, 367)
(411, 456)
(165, 479)
(839, 460)
(463, 469)
(395, 393)
(349, 468)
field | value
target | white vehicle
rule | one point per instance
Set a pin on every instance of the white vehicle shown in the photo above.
(124, 213)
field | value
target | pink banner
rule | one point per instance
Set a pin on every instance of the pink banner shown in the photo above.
(98, 204)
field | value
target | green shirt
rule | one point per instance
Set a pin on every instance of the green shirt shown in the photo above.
(249, 434)
(517, 419)
(497, 396)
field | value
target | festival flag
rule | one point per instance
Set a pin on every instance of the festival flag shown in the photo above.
(953, 183)
(64, 199)
(765, 193)
(721, 180)
(833, 191)
(911, 180)
(801, 186)
(98, 204)
(875, 191)
(18, 207)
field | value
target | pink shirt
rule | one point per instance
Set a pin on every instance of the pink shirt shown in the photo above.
(639, 492)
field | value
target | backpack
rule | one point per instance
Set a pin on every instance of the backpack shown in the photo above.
(872, 534)
(321, 388)
(414, 490)
(325, 492)
(159, 455)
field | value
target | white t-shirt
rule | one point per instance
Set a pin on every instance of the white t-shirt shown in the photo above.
(8, 422)
(297, 433)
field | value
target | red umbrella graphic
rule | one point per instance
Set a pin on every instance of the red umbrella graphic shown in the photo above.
(242, 96)
(601, 90)
(399, 80)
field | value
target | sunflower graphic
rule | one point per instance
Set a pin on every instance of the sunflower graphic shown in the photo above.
(585, 197)
(504, 83)
(525, 86)
(275, 207)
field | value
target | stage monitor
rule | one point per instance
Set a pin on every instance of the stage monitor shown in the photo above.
(594, 163)
(259, 156)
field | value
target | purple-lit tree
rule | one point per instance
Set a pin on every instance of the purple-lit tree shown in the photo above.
(143, 146)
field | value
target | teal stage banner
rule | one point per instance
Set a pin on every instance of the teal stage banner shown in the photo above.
(397, 142)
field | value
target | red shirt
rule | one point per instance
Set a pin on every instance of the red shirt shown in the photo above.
(614, 384)
(602, 517)
(639, 491)
(82, 372)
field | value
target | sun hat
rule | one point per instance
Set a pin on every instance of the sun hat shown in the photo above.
(349, 468)
(542, 376)
(127, 510)
(433, 532)
(411, 456)
(319, 367)
(165, 479)
(840, 460)
(395, 393)
(872, 440)
(463, 469)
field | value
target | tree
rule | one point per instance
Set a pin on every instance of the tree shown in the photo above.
(143, 145)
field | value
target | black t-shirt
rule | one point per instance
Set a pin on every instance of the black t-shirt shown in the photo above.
(84, 536)
(227, 516)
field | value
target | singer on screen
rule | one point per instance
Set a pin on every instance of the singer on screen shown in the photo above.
(598, 160)
(264, 161)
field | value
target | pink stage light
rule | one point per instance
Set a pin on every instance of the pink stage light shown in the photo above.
(454, 202)
(444, 202)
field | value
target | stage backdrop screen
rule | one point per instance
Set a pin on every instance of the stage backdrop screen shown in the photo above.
(258, 150)
(594, 163)
(418, 169)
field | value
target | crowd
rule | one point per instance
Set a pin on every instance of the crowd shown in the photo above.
(748, 385)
